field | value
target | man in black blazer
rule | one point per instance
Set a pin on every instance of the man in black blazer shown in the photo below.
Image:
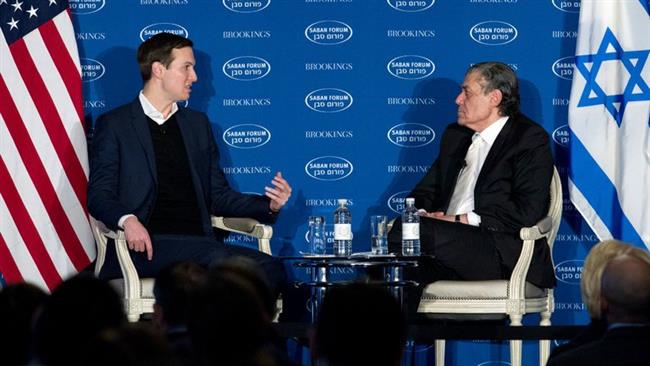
(491, 178)
(154, 172)
(625, 303)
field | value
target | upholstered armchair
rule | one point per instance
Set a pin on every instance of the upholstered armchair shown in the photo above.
(513, 297)
(137, 292)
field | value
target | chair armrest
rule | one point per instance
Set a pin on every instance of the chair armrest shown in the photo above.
(540, 230)
(129, 273)
(517, 284)
(98, 229)
(246, 226)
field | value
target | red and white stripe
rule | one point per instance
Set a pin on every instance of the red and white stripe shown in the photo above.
(44, 224)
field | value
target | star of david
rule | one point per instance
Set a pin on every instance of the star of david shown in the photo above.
(636, 89)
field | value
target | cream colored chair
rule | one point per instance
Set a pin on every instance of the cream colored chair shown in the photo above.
(514, 297)
(138, 292)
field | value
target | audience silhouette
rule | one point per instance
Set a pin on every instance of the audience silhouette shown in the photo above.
(18, 305)
(359, 324)
(76, 312)
(228, 322)
(222, 316)
(173, 288)
(130, 345)
(625, 305)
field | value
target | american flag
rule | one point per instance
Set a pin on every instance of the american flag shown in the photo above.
(45, 236)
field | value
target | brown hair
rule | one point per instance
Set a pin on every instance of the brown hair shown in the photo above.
(159, 49)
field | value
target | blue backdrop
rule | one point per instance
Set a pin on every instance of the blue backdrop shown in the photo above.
(348, 99)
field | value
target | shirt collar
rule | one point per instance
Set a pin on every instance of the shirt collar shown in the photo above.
(490, 134)
(151, 111)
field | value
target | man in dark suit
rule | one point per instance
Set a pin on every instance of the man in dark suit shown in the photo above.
(625, 303)
(491, 178)
(154, 172)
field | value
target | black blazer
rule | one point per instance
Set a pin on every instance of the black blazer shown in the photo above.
(123, 171)
(623, 346)
(512, 190)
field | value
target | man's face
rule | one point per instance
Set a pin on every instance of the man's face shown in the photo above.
(476, 109)
(178, 77)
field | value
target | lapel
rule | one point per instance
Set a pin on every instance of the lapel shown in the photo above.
(494, 156)
(191, 149)
(186, 134)
(141, 128)
(457, 156)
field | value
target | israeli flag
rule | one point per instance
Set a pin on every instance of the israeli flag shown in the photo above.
(609, 118)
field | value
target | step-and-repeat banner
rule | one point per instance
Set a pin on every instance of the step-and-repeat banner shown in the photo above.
(348, 98)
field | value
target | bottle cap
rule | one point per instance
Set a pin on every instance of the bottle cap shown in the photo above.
(342, 201)
(410, 200)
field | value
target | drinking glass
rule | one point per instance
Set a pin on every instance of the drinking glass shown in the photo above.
(316, 234)
(378, 234)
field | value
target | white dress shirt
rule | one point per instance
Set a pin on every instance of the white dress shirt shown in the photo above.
(489, 135)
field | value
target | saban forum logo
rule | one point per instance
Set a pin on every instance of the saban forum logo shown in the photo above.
(328, 32)
(493, 33)
(567, 6)
(411, 135)
(396, 201)
(155, 28)
(569, 271)
(91, 69)
(410, 67)
(82, 7)
(562, 136)
(246, 136)
(329, 168)
(246, 6)
(328, 100)
(563, 67)
(246, 68)
(411, 6)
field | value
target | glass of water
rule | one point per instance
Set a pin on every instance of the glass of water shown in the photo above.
(378, 234)
(316, 234)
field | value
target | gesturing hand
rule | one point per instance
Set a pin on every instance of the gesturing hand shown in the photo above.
(137, 236)
(280, 194)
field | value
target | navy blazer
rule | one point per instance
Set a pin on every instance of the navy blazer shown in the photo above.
(123, 170)
(512, 190)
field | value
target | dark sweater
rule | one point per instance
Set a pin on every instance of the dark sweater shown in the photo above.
(176, 209)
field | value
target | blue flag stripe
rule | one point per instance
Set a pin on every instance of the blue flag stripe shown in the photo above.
(600, 192)
(646, 5)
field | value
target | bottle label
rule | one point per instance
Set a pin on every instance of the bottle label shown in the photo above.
(411, 231)
(342, 232)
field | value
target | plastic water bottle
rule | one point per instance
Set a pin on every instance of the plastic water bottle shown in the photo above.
(342, 229)
(410, 229)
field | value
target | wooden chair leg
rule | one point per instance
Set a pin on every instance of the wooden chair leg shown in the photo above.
(515, 344)
(515, 352)
(544, 344)
(440, 352)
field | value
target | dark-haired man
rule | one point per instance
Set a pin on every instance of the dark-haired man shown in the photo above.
(154, 172)
(491, 178)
